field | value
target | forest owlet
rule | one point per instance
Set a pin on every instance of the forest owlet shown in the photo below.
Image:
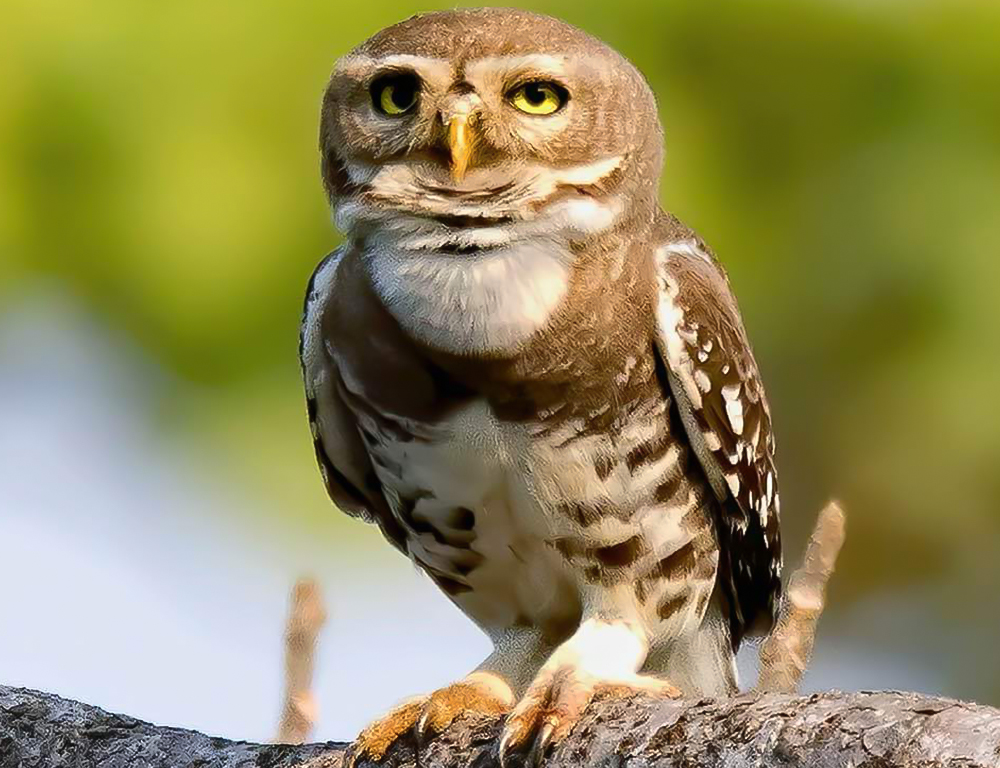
(531, 378)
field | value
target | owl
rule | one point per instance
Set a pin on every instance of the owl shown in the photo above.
(531, 378)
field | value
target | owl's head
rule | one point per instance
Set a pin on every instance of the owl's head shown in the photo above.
(486, 115)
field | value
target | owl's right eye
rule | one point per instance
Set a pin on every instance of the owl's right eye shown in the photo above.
(395, 95)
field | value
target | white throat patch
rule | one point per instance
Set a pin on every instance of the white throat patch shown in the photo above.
(482, 302)
(488, 286)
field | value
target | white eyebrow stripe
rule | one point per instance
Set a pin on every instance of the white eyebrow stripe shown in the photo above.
(555, 65)
(359, 63)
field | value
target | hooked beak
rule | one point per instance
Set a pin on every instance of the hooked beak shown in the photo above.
(460, 140)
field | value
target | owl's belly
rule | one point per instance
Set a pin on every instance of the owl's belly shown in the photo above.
(475, 523)
(517, 522)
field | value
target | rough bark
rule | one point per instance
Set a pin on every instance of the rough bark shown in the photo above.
(876, 730)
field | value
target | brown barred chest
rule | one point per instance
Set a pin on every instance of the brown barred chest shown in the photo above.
(521, 522)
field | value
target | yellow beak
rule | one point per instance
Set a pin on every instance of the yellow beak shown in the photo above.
(460, 141)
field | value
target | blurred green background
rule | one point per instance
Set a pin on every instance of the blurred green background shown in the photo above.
(158, 169)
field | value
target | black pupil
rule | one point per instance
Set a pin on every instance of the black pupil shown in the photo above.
(535, 93)
(403, 91)
(402, 94)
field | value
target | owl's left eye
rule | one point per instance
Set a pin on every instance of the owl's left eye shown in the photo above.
(396, 94)
(538, 97)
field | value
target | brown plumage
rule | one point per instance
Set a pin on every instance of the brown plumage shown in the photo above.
(532, 379)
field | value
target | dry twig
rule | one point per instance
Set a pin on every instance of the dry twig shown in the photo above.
(305, 619)
(785, 654)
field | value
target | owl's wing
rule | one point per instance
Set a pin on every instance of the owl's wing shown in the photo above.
(720, 397)
(343, 459)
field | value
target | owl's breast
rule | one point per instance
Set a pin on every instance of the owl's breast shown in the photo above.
(512, 477)
(515, 521)
(472, 519)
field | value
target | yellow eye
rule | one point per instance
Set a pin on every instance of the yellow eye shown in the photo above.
(395, 95)
(538, 98)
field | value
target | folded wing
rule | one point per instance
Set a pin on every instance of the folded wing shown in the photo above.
(714, 378)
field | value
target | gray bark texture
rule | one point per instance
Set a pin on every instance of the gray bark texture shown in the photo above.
(873, 730)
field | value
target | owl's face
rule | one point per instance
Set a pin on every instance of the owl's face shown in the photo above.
(488, 114)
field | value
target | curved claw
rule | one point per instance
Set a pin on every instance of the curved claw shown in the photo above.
(420, 727)
(541, 745)
(352, 758)
(505, 747)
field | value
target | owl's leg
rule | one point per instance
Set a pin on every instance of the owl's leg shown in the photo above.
(601, 656)
(490, 690)
(701, 663)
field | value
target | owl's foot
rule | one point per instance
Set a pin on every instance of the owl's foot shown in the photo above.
(600, 660)
(482, 693)
(552, 706)
(373, 742)
(424, 716)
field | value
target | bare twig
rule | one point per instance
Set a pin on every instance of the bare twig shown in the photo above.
(785, 655)
(305, 619)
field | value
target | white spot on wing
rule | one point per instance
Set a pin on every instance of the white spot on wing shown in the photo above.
(734, 407)
(670, 317)
(770, 498)
(701, 379)
(734, 483)
(690, 335)
(688, 248)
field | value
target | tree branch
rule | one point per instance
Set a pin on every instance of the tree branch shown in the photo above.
(829, 729)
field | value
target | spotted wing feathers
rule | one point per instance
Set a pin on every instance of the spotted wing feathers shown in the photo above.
(714, 378)
(344, 461)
